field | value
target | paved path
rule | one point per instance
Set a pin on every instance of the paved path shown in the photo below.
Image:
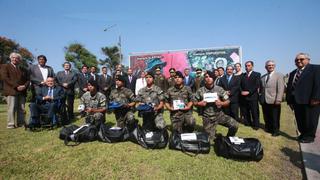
(311, 157)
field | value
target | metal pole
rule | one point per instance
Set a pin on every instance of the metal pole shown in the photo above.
(120, 49)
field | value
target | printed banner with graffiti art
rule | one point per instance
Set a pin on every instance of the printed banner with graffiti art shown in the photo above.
(206, 59)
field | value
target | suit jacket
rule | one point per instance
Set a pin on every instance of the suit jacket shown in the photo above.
(12, 78)
(251, 84)
(307, 87)
(36, 76)
(131, 85)
(233, 86)
(105, 84)
(70, 79)
(273, 90)
(82, 81)
(190, 82)
(58, 94)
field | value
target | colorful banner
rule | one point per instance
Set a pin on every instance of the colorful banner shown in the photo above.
(206, 59)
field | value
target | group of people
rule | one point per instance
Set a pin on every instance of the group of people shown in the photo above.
(218, 95)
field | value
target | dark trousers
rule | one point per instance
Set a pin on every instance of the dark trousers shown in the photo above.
(251, 113)
(271, 115)
(70, 102)
(233, 111)
(307, 118)
(49, 108)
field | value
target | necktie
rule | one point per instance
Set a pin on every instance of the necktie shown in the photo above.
(296, 79)
(50, 92)
(268, 77)
(130, 78)
(229, 78)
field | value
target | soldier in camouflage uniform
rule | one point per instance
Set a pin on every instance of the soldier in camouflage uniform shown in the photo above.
(152, 94)
(160, 80)
(179, 103)
(171, 79)
(93, 104)
(212, 112)
(124, 96)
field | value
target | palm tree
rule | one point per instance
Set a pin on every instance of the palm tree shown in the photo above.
(112, 57)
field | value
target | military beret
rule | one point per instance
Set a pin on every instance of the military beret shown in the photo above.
(121, 78)
(158, 68)
(179, 74)
(172, 70)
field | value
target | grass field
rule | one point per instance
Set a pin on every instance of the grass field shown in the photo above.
(42, 155)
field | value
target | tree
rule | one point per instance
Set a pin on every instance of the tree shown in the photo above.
(78, 55)
(112, 57)
(8, 46)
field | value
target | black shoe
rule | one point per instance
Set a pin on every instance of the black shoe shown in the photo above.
(275, 134)
(303, 140)
(255, 128)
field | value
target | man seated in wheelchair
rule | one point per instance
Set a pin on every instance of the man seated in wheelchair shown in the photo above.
(49, 99)
(150, 101)
(93, 104)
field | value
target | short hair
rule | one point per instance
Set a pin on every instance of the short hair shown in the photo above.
(104, 67)
(270, 61)
(251, 62)
(42, 56)
(304, 54)
(230, 66)
(67, 63)
(220, 68)
(238, 64)
(83, 66)
(15, 54)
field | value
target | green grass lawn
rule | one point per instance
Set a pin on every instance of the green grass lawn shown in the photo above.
(42, 155)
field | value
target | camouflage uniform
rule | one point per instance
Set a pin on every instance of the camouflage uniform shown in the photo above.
(124, 116)
(97, 101)
(179, 118)
(160, 81)
(213, 115)
(153, 95)
(170, 82)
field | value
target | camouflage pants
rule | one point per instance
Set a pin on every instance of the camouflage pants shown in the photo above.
(124, 118)
(210, 124)
(96, 118)
(153, 119)
(184, 122)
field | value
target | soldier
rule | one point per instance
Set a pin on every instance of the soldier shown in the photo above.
(171, 79)
(198, 81)
(93, 103)
(179, 103)
(124, 96)
(212, 98)
(160, 80)
(152, 94)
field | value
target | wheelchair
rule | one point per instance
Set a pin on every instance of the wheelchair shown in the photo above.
(60, 117)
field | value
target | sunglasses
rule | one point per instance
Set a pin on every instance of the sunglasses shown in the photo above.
(301, 59)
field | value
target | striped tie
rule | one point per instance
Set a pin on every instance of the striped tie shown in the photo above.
(296, 79)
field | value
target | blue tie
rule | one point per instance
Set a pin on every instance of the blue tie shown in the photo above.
(50, 92)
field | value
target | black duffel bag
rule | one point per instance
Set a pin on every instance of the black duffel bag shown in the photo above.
(197, 142)
(247, 149)
(112, 134)
(84, 133)
(156, 139)
(67, 131)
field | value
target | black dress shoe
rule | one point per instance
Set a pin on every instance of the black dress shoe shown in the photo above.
(306, 140)
(255, 128)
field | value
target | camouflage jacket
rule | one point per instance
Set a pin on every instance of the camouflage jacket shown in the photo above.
(96, 101)
(150, 95)
(160, 81)
(174, 93)
(211, 109)
(123, 95)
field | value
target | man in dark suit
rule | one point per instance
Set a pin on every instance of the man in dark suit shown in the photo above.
(303, 96)
(231, 84)
(188, 80)
(249, 87)
(39, 74)
(130, 81)
(48, 98)
(16, 81)
(93, 73)
(67, 79)
(271, 94)
(82, 80)
(105, 82)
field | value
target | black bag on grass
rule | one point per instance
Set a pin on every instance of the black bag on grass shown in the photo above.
(112, 134)
(156, 139)
(197, 142)
(67, 131)
(248, 149)
(84, 133)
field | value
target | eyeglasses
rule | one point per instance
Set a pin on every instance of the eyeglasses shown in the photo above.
(301, 59)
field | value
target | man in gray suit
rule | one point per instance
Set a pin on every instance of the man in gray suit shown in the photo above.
(271, 94)
(67, 79)
(39, 74)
